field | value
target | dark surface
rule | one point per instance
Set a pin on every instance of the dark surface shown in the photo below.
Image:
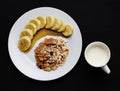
(98, 20)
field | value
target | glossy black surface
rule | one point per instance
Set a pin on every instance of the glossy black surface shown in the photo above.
(98, 20)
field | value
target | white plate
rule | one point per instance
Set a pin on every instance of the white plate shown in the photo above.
(25, 63)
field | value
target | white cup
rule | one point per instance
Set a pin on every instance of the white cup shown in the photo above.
(97, 54)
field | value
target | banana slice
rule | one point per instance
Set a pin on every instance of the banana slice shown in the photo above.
(62, 27)
(68, 31)
(27, 32)
(49, 22)
(57, 24)
(24, 43)
(32, 27)
(42, 19)
(36, 22)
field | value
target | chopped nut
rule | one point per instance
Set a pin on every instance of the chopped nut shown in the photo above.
(47, 69)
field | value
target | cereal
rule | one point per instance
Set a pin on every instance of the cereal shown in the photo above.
(51, 53)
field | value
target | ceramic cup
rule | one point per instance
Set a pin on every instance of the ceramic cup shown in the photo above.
(97, 54)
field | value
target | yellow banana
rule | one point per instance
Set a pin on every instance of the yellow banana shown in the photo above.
(68, 31)
(62, 27)
(32, 27)
(36, 22)
(49, 22)
(24, 43)
(57, 24)
(42, 19)
(27, 32)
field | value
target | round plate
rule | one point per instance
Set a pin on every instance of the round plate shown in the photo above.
(26, 63)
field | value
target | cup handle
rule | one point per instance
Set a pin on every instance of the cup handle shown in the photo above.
(106, 69)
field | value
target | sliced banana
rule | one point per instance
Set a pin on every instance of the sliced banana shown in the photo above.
(27, 32)
(68, 31)
(42, 19)
(39, 22)
(32, 27)
(57, 24)
(36, 22)
(62, 27)
(24, 43)
(49, 22)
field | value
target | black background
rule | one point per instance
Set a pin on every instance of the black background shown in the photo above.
(98, 20)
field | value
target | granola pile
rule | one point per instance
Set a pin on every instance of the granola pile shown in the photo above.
(51, 53)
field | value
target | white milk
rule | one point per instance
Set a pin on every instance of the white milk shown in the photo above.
(97, 55)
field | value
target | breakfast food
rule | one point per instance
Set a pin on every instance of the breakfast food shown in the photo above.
(24, 43)
(57, 24)
(68, 31)
(36, 22)
(49, 22)
(51, 53)
(40, 22)
(62, 27)
(32, 27)
(42, 19)
(27, 32)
